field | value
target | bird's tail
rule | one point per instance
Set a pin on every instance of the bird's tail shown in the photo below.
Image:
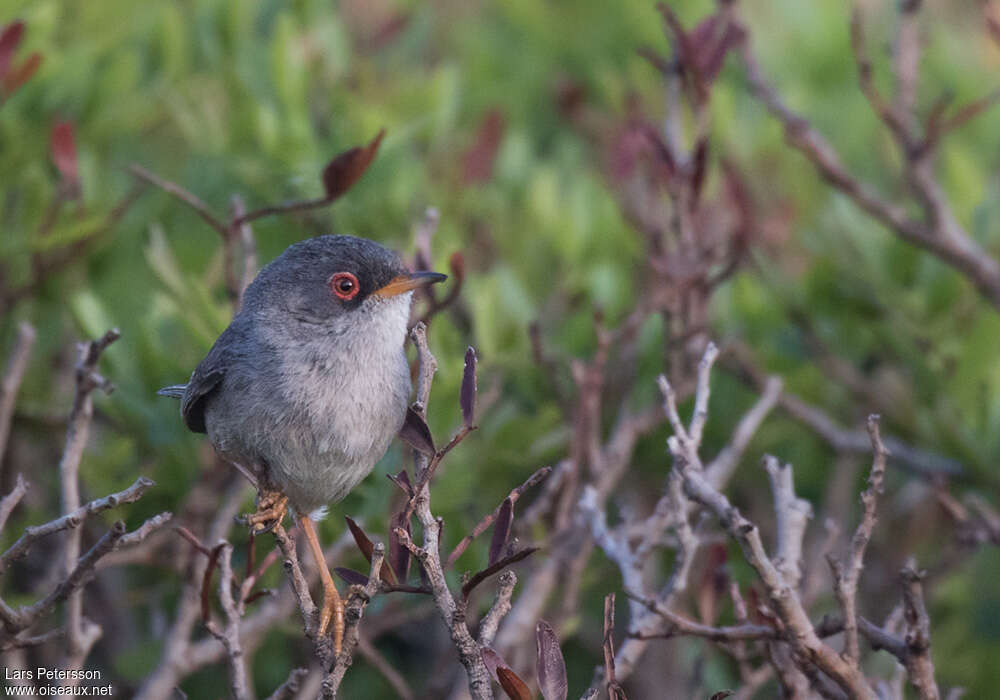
(174, 391)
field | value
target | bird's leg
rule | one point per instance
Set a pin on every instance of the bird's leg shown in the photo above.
(271, 509)
(333, 606)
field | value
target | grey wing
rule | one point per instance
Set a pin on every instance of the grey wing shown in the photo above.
(205, 380)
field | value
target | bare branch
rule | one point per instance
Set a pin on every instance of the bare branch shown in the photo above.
(940, 231)
(847, 572)
(702, 393)
(175, 190)
(382, 665)
(72, 520)
(615, 691)
(290, 686)
(919, 665)
(682, 625)
(23, 642)
(429, 555)
(501, 606)
(145, 530)
(721, 468)
(229, 635)
(25, 617)
(787, 604)
(307, 607)
(487, 520)
(10, 501)
(357, 599)
(927, 464)
(17, 365)
(793, 514)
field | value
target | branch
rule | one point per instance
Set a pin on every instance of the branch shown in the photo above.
(175, 190)
(357, 599)
(926, 464)
(487, 520)
(500, 565)
(72, 520)
(940, 231)
(683, 625)
(382, 665)
(501, 606)
(307, 608)
(13, 375)
(10, 501)
(290, 687)
(785, 600)
(229, 635)
(793, 514)
(615, 691)
(26, 616)
(79, 640)
(721, 468)
(429, 554)
(919, 665)
(847, 572)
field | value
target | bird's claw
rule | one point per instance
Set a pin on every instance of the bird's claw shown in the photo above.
(271, 509)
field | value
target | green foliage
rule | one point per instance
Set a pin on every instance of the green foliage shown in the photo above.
(228, 96)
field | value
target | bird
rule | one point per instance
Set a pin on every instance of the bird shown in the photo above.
(308, 385)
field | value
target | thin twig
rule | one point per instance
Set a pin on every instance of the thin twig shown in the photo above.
(10, 501)
(487, 520)
(501, 606)
(183, 195)
(229, 634)
(17, 364)
(846, 572)
(919, 666)
(357, 599)
(72, 520)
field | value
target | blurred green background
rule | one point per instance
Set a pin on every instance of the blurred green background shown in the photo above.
(226, 97)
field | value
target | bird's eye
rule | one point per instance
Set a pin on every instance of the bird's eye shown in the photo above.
(345, 285)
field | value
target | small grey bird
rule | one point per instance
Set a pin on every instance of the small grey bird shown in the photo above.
(309, 384)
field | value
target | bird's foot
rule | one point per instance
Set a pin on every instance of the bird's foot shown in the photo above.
(271, 509)
(332, 610)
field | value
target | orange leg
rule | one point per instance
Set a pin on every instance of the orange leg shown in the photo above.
(333, 606)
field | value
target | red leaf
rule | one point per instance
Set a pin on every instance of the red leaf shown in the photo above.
(713, 584)
(20, 75)
(351, 577)
(515, 688)
(402, 480)
(492, 659)
(388, 32)
(366, 547)
(478, 160)
(700, 158)
(10, 39)
(64, 153)
(550, 666)
(360, 538)
(456, 265)
(416, 434)
(399, 556)
(710, 45)
(345, 169)
(467, 397)
(501, 530)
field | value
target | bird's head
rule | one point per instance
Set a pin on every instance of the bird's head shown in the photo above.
(337, 284)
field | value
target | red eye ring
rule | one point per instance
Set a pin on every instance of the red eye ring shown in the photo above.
(345, 285)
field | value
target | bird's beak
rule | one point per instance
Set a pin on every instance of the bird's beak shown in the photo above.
(408, 282)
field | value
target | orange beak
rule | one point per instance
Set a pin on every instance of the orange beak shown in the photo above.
(408, 282)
